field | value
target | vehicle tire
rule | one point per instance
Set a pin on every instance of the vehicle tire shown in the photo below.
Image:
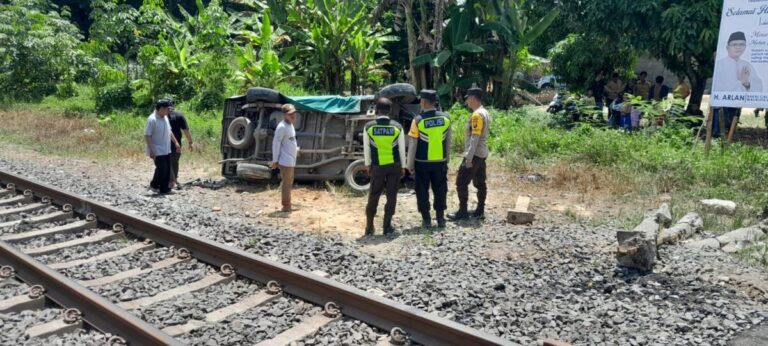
(402, 93)
(356, 178)
(547, 86)
(240, 133)
(263, 94)
(253, 172)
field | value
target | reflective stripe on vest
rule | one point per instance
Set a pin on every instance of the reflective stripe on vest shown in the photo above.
(433, 130)
(384, 139)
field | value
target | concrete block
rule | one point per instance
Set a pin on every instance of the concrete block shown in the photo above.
(520, 215)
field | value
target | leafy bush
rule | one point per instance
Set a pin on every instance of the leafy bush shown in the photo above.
(113, 97)
(40, 49)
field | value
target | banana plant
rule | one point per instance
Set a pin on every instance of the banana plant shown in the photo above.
(325, 29)
(508, 20)
(459, 49)
(265, 68)
(365, 58)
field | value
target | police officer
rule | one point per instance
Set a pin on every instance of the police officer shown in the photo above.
(384, 150)
(428, 152)
(472, 168)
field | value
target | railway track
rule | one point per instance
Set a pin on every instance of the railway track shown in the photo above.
(107, 271)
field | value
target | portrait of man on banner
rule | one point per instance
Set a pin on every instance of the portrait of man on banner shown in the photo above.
(734, 74)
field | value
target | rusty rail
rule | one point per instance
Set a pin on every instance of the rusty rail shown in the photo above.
(96, 311)
(386, 314)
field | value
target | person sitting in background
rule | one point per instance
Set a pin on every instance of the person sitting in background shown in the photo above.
(626, 109)
(642, 87)
(613, 90)
(598, 91)
(588, 107)
(616, 107)
(659, 91)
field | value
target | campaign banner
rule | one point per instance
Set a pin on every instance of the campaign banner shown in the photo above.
(741, 65)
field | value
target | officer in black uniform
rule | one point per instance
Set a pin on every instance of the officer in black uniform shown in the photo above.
(384, 150)
(428, 153)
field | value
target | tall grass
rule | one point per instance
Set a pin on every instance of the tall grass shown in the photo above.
(73, 127)
(654, 162)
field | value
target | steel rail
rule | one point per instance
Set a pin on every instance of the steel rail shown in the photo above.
(96, 310)
(383, 313)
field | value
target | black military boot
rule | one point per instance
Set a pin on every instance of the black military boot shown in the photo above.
(479, 212)
(426, 221)
(462, 214)
(388, 229)
(440, 216)
(369, 229)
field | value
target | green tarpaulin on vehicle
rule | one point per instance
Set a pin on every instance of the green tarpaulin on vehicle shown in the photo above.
(328, 104)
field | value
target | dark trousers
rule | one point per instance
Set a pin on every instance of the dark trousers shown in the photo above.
(384, 180)
(162, 176)
(434, 174)
(175, 156)
(729, 113)
(475, 175)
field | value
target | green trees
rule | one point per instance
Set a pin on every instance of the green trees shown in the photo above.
(484, 43)
(681, 33)
(40, 50)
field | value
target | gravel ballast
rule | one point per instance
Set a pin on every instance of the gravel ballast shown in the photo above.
(112, 266)
(346, 331)
(255, 325)
(27, 227)
(520, 283)
(154, 282)
(82, 252)
(54, 239)
(15, 217)
(196, 305)
(10, 288)
(15, 324)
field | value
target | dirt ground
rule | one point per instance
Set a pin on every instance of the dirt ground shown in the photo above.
(332, 209)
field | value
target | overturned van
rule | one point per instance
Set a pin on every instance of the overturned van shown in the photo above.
(329, 133)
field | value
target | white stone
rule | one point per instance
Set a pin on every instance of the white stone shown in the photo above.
(736, 246)
(709, 243)
(719, 206)
(753, 233)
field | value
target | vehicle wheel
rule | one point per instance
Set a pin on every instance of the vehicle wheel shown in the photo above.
(250, 171)
(402, 93)
(262, 94)
(240, 133)
(356, 178)
(547, 86)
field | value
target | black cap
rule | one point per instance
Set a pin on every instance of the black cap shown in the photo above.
(428, 94)
(474, 91)
(737, 36)
(164, 103)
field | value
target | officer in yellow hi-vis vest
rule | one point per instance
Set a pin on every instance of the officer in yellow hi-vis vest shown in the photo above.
(384, 150)
(472, 168)
(428, 152)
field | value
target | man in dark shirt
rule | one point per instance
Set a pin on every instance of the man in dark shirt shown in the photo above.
(178, 124)
(598, 91)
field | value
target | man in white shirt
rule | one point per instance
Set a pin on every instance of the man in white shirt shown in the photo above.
(733, 74)
(158, 138)
(284, 152)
